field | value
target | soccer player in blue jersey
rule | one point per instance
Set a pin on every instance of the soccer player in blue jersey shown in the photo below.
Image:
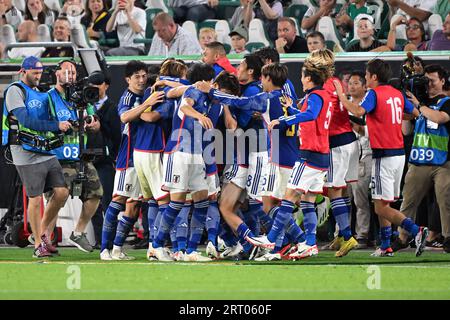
(184, 167)
(126, 186)
(151, 141)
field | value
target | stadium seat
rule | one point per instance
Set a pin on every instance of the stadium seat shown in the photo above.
(156, 4)
(208, 23)
(434, 24)
(326, 26)
(253, 46)
(7, 34)
(43, 33)
(223, 30)
(79, 37)
(191, 27)
(53, 4)
(19, 4)
(256, 32)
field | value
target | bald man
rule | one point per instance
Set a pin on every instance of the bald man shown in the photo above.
(26, 32)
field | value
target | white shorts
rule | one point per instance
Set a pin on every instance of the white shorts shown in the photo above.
(149, 169)
(213, 184)
(277, 181)
(126, 184)
(251, 178)
(386, 177)
(306, 179)
(184, 172)
(344, 164)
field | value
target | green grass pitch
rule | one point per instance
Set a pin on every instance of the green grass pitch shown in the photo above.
(77, 275)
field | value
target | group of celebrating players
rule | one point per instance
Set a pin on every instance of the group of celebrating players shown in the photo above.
(236, 154)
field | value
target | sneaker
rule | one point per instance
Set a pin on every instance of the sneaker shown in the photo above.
(221, 246)
(346, 246)
(436, 244)
(420, 240)
(161, 254)
(398, 245)
(383, 253)
(81, 242)
(41, 252)
(196, 256)
(258, 252)
(260, 241)
(48, 245)
(150, 253)
(269, 257)
(118, 254)
(211, 250)
(178, 256)
(31, 239)
(446, 245)
(105, 255)
(231, 252)
(334, 245)
(304, 251)
(262, 254)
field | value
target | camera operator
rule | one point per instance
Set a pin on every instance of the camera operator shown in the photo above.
(25, 111)
(69, 154)
(429, 159)
(108, 138)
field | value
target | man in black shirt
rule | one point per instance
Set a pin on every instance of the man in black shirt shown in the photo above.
(430, 160)
(108, 139)
(288, 41)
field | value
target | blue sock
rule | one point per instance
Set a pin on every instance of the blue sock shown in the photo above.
(197, 225)
(227, 235)
(173, 235)
(123, 229)
(410, 226)
(309, 222)
(340, 213)
(167, 221)
(279, 242)
(212, 221)
(385, 237)
(183, 227)
(110, 224)
(151, 216)
(255, 209)
(244, 231)
(157, 222)
(281, 220)
(294, 233)
(265, 219)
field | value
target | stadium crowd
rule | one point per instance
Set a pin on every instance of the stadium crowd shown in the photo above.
(154, 167)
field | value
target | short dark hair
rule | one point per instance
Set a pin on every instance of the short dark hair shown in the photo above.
(277, 72)
(316, 34)
(421, 27)
(381, 69)
(255, 63)
(268, 53)
(134, 66)
(200, 71)
(432, 68)
(360, 74)
(229, 82)
(218, 47)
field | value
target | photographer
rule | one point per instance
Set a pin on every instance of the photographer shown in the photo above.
(429, 159)
(25, 111)
(63, 108)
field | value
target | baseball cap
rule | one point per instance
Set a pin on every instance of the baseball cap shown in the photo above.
(30, 63)
(241, 31)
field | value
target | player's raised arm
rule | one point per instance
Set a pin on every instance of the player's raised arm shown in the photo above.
(177, 92)
(187, 107)
(354, 108)
(311, 113)
(135, 113)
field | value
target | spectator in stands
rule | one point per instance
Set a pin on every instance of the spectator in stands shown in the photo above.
(130, 22)
(9, 14)
(238, 16)
(288, 41)
(315, 41)
(442, 8)
(216, 56)
(61, 33)
(366, 43)
(327, 8)
(26, 33)
(421, 9)
(268, 11)
(239, 38)
(37, 11)
(95, 20)
(205, 36)
(346, 17)
(170, 39)
(73, 10)
(415, 33)
(193, 10)
(441, 38)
